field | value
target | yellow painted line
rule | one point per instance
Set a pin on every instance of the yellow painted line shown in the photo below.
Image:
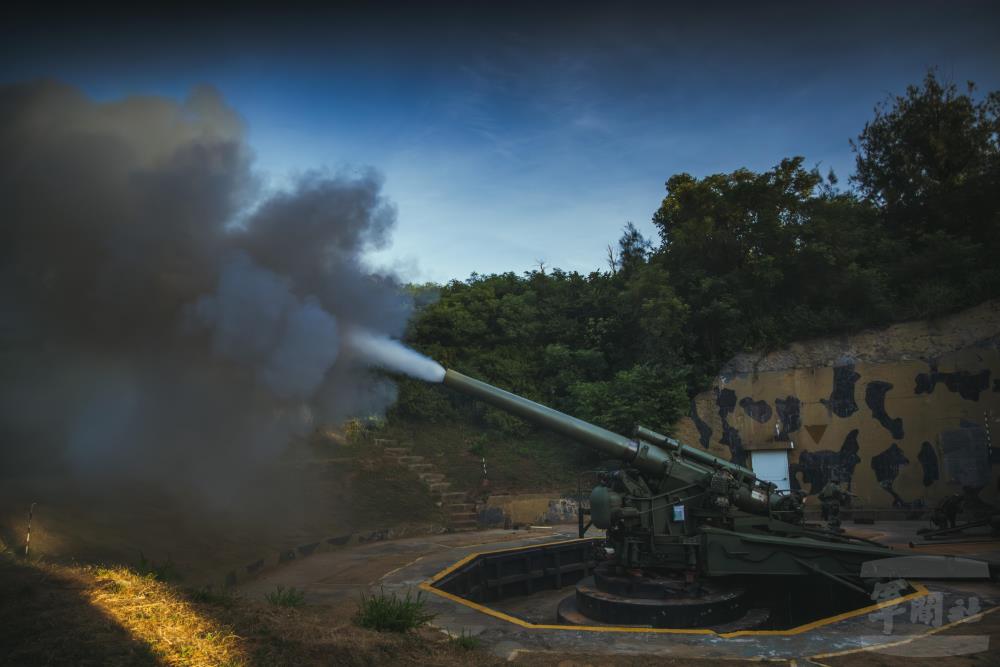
(908, 640)
(448, 570)
(518, 652)
(428, 586)
(538, 626)
(920, 591)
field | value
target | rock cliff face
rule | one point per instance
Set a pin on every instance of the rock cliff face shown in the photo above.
(902, 414)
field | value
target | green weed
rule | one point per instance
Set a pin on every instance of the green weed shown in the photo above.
(286, 597)
(392, 612)
(466, 641)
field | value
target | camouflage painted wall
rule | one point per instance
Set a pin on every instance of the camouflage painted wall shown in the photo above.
(902, 414)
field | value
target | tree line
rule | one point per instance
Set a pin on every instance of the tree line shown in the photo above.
(743, 261)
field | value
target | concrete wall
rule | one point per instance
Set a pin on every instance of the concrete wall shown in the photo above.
(527, 509)
(903, 414)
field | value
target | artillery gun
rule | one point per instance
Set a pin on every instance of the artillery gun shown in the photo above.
(685, 529)
(945, 516)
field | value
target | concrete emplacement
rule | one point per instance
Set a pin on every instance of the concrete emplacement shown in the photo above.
(504, 607)
(335, 579)
(528, 623)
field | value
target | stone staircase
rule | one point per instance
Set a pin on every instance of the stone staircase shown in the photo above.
(460, 513)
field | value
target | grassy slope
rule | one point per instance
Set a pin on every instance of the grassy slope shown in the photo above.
(326, 491)
(62, 615)
(536, 462)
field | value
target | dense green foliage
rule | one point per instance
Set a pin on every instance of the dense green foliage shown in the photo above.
(744, 261)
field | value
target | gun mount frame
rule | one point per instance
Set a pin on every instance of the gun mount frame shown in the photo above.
(683, 517)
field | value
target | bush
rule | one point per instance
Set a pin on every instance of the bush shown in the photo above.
(419, 400)
(391, 612)
(286, 597)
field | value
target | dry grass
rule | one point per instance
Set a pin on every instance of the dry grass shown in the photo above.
(63, 615)
(170, 623)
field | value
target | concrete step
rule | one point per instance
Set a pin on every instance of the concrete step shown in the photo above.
(453, 497)
(400, 451)
(462, 522)
(439, 487)
(463, 525)
(421, 467)
(431, 477)
(405, 460)
(460, 507)
(384, 442)
(461, 516)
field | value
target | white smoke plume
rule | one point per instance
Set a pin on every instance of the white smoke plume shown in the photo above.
(392, 355)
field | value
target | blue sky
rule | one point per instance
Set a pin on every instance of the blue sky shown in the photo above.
(508, 134)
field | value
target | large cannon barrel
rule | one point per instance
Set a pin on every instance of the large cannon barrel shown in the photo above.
(651, 452)
(692, 454)
(595, 437)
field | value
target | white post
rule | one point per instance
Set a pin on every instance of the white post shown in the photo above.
(27, 539)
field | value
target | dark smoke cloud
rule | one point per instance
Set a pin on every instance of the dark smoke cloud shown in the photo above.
(160, 318)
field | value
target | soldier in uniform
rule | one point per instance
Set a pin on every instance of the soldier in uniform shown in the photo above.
(947, 511)
(831, 497)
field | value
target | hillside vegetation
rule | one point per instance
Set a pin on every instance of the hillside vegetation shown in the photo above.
(744, 261)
